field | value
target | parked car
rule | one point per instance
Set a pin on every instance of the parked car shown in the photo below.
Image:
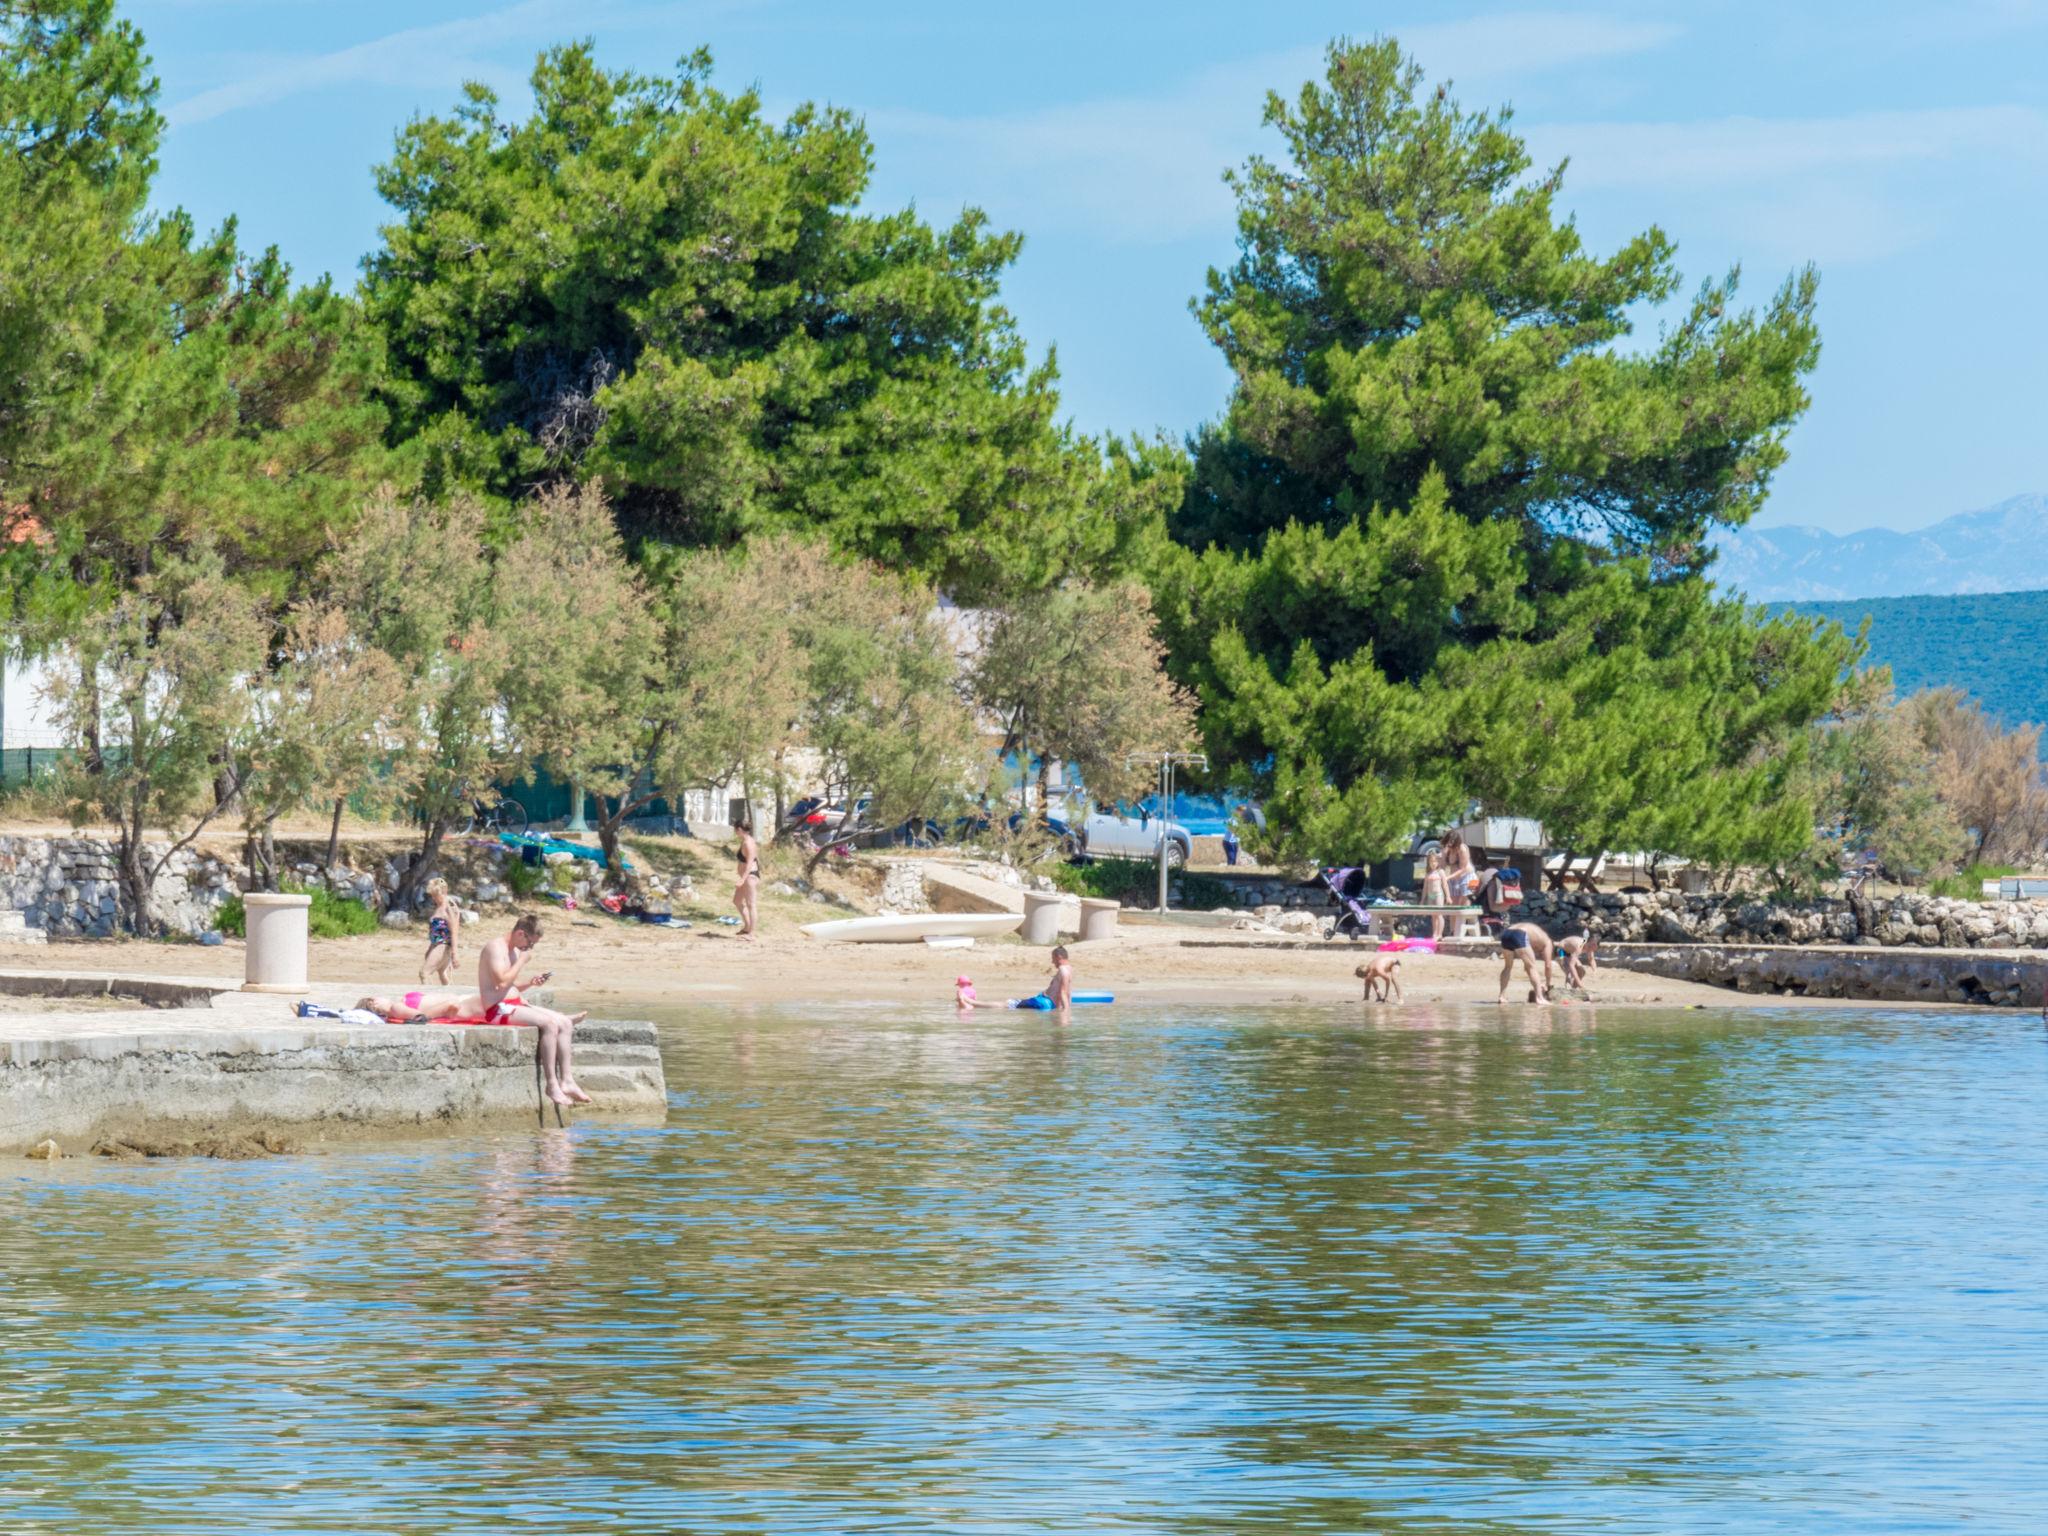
(923, 832)
(1136, 834)
(1208, 815)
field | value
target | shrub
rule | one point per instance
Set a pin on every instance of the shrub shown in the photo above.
(1135, 882)
(330, 916)
(1968, 884)
(523, 879)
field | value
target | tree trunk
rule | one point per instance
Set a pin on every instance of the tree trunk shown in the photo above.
(334, 835)
(267, 843)
(1044, 784)
(414, 880)
(135, 882)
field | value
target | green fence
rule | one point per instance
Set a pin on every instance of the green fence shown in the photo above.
(23, 765)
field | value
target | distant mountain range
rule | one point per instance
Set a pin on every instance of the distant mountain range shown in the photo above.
(2000, 549)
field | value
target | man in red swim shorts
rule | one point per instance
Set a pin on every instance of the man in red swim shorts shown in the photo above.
(498, 966)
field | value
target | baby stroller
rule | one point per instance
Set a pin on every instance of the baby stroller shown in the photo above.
(1347, 889)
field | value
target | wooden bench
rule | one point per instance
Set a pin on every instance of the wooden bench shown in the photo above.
(1463, 924)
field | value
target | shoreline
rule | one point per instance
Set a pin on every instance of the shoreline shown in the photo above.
(610, 967)
(119, 1038)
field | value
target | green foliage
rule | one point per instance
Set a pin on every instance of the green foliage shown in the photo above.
(1447, 546)
(1135, 882)
(524, 879)
(1986, 644)
(1967, 884)
(329, 917)
(165, 393)
(650, 282)
(1077, 673)
(157, 681)
(1875, 788)
(1406, 299)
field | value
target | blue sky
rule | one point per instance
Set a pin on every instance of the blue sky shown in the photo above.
(1903, 148)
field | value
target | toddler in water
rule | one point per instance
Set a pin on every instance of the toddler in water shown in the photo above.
(963, 991)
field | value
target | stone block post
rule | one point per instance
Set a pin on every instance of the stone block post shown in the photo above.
(276, 958)
(1042, 917)
(1098, 919)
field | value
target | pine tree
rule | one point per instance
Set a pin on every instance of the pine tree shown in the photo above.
(1449, 543)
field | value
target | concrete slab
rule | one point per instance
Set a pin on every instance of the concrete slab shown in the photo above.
(227, 1062)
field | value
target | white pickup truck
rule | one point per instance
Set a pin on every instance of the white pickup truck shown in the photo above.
(1136, 835)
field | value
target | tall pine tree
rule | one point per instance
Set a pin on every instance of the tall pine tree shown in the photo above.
(1450, 542)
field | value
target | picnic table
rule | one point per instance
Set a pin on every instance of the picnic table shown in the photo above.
(1463, 921)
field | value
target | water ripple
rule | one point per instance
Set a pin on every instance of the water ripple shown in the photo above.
(1430, 1271)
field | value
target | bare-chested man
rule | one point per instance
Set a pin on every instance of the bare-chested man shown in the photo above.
(1525, 943)
(1378, 975)
(497, 968)
(1059, 991)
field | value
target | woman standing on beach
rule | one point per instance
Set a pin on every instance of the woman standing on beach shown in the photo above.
(1457, 868)
(747, 893)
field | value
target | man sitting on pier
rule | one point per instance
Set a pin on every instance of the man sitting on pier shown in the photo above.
(498, 967)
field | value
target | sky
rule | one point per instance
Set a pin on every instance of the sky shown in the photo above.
(1902, 149)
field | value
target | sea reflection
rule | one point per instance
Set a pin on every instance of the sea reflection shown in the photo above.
(1393, 1269)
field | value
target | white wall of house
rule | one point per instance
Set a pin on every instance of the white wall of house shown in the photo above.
(24, 717)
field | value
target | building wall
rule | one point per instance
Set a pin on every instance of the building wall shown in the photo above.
(24, 718)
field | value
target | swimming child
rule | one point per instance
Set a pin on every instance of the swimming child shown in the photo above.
(963, 991)
(444, 925)
(1378, 972)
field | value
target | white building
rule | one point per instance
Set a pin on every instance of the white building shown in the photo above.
(24, 716)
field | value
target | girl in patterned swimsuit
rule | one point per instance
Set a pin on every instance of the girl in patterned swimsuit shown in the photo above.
(444, 925)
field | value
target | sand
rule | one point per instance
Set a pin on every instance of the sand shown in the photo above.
(622, 969)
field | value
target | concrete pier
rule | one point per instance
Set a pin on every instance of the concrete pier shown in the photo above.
(85, 1057)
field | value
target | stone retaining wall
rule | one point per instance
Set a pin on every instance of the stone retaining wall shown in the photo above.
(69, 887)
(1892, 976)
(1672, 917)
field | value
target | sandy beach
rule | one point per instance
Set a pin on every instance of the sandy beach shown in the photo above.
(615, 967)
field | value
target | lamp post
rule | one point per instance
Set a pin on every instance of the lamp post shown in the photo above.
(1167, 761)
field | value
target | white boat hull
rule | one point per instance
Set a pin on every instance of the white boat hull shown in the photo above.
(915, 928)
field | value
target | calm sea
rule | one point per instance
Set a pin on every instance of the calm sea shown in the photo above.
(1194, 1270)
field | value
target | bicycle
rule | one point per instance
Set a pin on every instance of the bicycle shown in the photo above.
(502, 815)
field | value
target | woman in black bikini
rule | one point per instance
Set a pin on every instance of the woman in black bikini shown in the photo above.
(746, 895)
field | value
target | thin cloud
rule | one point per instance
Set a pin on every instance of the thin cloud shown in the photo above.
(1734, 151)
(437, 57)
(424, 56)
(1148, 169)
